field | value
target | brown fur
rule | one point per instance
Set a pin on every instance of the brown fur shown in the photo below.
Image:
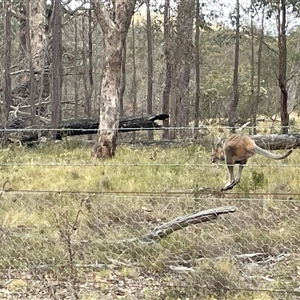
(237, 149)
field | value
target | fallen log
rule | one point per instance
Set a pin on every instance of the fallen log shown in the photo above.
(277, 141)
(181, 222)
(73, 127)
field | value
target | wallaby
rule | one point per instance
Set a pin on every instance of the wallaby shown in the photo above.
(236, 150)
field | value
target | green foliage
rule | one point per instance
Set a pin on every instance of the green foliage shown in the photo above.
(258, 180)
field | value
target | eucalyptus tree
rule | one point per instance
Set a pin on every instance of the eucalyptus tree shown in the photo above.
(56, 70)
(150, 65)
(182, 57)
(281, 11)
(197, 69)
(31, 17)
(168, 66)
(115, 27)
(232, 117)
(7, 62)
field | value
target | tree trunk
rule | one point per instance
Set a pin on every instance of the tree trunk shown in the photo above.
(37, 45)
(90, 58)
(123, 80)
(186, 13)
(7, 65)
(115, 28)
(134, 82)
(252, 70)
(85, 65)
(281, 24)
(232, 116)
(150, 66)
(56, 67)
(197, 70)
(181, 62)
(22, 32)
(33, 42)
(167, 50)
(75, 69)
(32, 80)
(259, 56)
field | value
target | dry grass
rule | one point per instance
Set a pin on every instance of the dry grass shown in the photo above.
(75, 237)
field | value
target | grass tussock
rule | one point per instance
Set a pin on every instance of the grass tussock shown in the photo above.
(80, 233)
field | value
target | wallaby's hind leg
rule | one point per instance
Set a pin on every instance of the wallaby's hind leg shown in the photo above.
(231, 183)
(238, 177)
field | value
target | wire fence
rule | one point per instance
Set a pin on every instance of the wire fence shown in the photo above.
(102, 244)
(79, 245)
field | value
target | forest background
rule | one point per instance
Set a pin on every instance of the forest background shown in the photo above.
(198, 61)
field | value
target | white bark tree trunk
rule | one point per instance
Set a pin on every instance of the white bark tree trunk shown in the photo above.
(37, 33)
(115, 29)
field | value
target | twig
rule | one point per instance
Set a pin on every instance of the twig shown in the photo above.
(3, 188)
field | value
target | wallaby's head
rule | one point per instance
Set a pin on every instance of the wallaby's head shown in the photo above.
(217, 151)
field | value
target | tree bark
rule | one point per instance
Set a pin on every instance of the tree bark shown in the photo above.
(87, 99)
(282, 82)
(123, 79)
(7, 99)
(232, 116)
(90, 58)
(76, 110)
(56, 67)
(197, 70)
(87, 59)
(31, 17)
(181, 62)
(115, 28)
(150, 66)
(32, 79)
(134, 81)
(167, 51)
(252, 70)
(259, 62)
(37, 47)
(22, 32)
(38, 37)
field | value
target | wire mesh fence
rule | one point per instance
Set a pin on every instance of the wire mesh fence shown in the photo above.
(78, 245)
(106, 242)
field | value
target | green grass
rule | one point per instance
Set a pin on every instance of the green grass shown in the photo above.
(58, 234)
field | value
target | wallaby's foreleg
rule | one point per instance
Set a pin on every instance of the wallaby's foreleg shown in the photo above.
(231, 183)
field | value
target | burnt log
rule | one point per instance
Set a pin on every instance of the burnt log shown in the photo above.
(27, 134)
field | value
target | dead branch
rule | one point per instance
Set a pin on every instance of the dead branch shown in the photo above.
(184, 221)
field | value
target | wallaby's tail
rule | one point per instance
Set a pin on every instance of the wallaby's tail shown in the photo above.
(268, 154)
